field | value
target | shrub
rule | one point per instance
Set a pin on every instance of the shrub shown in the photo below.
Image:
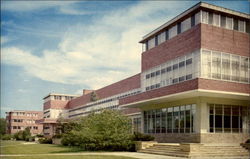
(108, 130)
(45, 141)
(6, 137)
(57, 136)
(39, 135)
(23, 134)
(142, 137)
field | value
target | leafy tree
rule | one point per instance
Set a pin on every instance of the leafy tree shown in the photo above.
(94, 96)
(108, 130)
(2, 126)
(23, 134)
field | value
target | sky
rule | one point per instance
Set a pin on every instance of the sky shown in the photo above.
(67, 46)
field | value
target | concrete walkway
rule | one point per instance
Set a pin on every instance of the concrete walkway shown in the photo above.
(126, 154)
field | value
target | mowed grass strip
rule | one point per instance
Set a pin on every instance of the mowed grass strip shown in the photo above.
(15, 147)
(68, 157)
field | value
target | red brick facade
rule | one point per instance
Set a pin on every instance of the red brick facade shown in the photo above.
(225, 40)
(55, 104)
(113, 89)
(179, 45)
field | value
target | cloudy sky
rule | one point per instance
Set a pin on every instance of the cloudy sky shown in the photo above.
(64, 47)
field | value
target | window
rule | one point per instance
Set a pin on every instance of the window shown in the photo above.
(167, 35)
(228, 118)
(206, 63)
(175, 66)
(173, 31)
(157, 73)
(151, 43)
(216, 19)
(192, 20)
(175, 80)
(152, 74)
(161, 37)
(163, 120)
(244, 69)
(236, 27)
(210, 18)
(223, 21)
(188, 61)
(235, 68)
(225, 69)
(179, 28)
(197, 18)
(170, 120)
(163, 70)
(181, 64)
(241, 26)
(188, 76)
(229, 23)
(205, 17)
(216, 65)
(169, 68)
(248, 27)
(186, 24)
(181, 78)
(147, 76)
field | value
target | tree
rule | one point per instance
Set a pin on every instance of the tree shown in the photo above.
(108, 130)
(2, 126)
(94, 97)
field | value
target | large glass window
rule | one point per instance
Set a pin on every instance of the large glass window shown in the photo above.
(235, 68)
(244, 69)
(228, 118)
(205, 17)
(229, 23)
(206, 63)
(225, 68)
(161, 37)
(241, 26)
(216, 20)
(216, 65)
(178, 119)
(151, 43)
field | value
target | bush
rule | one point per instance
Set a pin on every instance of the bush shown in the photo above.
(45, 141)
(108, 130)
(39, 135)
(6, 137)
(58, 136)
(142, 137)
(23, 134)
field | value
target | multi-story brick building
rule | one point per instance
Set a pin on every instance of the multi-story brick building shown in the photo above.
(194, 81)
(18, 120)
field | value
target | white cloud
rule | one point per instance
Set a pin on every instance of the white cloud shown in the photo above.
(97, 54)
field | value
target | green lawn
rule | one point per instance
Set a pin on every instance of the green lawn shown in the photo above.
(20, 147)
(69, 157)
(17, 147)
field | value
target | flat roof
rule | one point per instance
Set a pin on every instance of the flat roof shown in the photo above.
(59, 94)
(191, 9)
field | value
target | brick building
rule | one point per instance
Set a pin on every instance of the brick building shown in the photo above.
(18, 120)
(193, 86)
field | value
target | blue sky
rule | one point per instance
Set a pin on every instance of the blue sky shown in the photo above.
(64, 47)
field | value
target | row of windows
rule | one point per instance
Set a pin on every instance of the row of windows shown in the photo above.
(22, 128)
(173, 31)
(207, 18)
(123, 95)
(224, 66)
(169, 68)
(171, 72)
(63, 97)
(178, 119)
(91, 111)
(136, 124)
(22, 120)
(24, 114)
(225, 21)
(228, 118)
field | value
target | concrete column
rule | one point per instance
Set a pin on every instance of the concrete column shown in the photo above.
(202, 117)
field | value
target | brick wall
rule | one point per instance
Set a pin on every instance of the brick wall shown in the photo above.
(223, 86)
(179, 45)
(172, 89)
(113, 89)
(217, 38)
(55, 104)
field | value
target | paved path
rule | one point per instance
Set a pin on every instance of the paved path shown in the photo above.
(126, 154)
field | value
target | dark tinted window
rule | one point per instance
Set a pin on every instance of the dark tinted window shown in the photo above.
(248, 27)
(178, 28)
(152, 87)
(175, 80)
(188, 76)
(210, 18)
(147, 88)
(169, 68)
(157, 85)
(193, 21)
(175, 66)
(188, 61)
(152, 74)
(156, 40)
(163, 70)
(181, 64)
(157, 73)
(166, 35)
(181, 78)
(147, 76)
(223, 21)
(146, 45)
(236, 24)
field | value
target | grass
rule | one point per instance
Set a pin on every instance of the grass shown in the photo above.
(46, 151)
(17, 147)
(69, 157)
